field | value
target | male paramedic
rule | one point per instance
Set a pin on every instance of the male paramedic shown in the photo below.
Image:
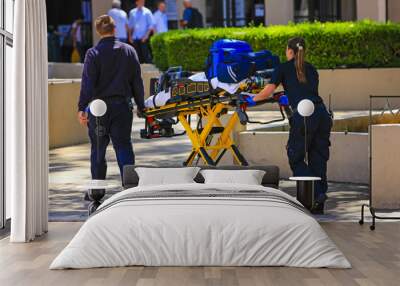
(111, 72)
(192, 17)
(300, 81)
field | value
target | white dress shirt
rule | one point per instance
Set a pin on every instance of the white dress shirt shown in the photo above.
(160, 22)
(121, 20)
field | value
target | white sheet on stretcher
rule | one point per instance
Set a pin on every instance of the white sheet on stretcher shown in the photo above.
(162, 97)
(215, 83)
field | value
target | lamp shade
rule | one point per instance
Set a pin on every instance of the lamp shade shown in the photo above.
(98, 107)
(305, 107)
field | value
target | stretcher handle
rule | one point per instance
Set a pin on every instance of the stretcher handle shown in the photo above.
(281, 109)
(274, 98)
(285, 110)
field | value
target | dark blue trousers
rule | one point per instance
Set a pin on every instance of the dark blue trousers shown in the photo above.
(319, 126)
(115, 125)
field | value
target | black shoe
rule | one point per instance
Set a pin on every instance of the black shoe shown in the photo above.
(318, 208)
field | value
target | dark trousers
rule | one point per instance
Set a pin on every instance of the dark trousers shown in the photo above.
(319, 126)
(116, 125)
(66, 52)
(81, 52)
(143, 51)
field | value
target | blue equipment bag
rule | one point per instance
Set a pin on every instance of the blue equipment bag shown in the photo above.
(224, 51)
(232, 61)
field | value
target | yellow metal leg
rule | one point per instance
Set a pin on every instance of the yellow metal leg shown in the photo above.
(199, 140)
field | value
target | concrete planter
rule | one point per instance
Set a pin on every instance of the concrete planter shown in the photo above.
(350, 88)
(348, 161)
(64, 129)
(65, 70)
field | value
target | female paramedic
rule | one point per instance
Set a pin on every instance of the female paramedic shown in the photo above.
(300, 81)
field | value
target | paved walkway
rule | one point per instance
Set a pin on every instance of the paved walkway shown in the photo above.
(69, 169)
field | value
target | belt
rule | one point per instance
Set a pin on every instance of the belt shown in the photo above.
(115, 99)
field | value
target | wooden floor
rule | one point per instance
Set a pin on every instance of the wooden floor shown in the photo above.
(375, 257)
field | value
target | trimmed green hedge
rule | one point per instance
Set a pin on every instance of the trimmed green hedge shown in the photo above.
(329, 45)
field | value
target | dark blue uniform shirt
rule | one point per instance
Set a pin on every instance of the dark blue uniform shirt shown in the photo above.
(296, 91)
(111, 69)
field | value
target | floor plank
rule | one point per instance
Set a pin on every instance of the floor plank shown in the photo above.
(375, 257)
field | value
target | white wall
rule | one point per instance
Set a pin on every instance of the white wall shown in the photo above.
(394, 10)
(65, 70)
(9, 63)
(278, 12)
(385, 170)
(371, 9)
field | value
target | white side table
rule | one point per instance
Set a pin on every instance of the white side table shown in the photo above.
(305, 190)
(96, 191)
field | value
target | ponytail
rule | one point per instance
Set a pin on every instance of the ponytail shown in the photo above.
(298, 46)
(299, 63)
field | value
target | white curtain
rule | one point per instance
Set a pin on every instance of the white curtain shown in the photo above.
(26, 124)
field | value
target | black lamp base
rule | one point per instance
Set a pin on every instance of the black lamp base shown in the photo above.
(305, 193)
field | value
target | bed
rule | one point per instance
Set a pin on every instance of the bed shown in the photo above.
(197, 224)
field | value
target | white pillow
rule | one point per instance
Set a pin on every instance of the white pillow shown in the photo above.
(246, 177)
(166, 176)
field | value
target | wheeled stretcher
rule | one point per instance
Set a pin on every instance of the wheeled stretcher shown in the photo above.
(210, 137)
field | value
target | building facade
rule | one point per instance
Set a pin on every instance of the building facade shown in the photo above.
(227, 13)
(285, 11)
(221, 13)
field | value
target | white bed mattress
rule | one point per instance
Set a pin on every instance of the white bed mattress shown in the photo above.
(199, 224)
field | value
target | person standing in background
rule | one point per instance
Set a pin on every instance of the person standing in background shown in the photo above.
(121, 21)
(192, 18)
(140, 28)
(76, 33)
(53, 44)
(160, 18)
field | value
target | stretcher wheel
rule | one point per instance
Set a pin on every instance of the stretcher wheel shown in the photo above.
(372, 227)
(144, 134)
(361, 222)
(167, 132)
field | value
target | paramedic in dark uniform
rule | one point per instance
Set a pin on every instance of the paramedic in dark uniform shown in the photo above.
(300, 81)
(112, 73)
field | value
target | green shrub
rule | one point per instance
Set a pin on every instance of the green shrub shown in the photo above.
(330, 45)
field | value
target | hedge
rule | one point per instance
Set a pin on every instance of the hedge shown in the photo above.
(329, 45)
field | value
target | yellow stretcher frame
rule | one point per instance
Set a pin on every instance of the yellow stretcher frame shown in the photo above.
(211, 154)
(210, 109)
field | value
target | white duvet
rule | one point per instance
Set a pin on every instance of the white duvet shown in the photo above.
(183, 230)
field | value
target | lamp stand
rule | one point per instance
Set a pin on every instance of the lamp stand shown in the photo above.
(305, 141)
(97, 139)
